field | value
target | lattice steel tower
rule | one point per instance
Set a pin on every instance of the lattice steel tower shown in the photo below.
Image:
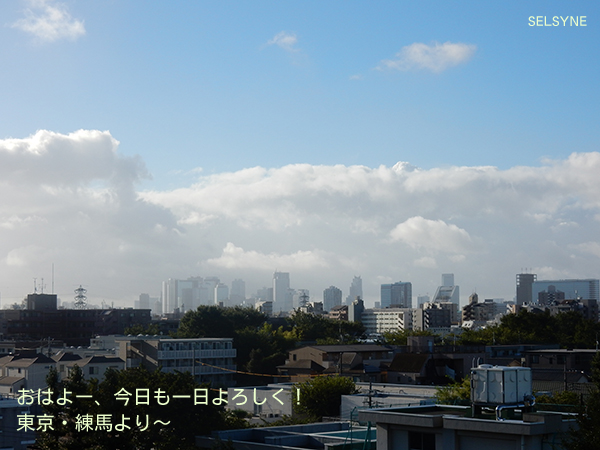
(80, 298)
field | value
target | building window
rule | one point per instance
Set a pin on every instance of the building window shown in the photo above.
(421, 441)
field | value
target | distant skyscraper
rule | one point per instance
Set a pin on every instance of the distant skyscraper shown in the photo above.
(169, 295)
(221, 294)
(397, 294)
(524, 284)
(550, 296)
(332, 296)
(265, 294)
(144, 302)
(447, 292)
(447, 279)
(586, 289)
(282, 298)
(156, 306)
(238, 292)
(188, 293)
(356, 290)
(207, 290)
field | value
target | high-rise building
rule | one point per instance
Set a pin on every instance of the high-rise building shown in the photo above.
(188, 293)
(549, 296)
(524, 285)
(355, 310)
(180, 294)
(265, 294)
(398, 295)
(169, 296)
(447, 279)
(144, 301)
(332, 296)
(448, 291)
(238, 292)
(586, 289)
(282, 297)
(221, 294)
(356, 290)
(156, 306)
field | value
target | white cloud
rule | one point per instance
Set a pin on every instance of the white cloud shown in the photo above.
(284, 40)
(12, 222)
(72, 200)
(434, 235)
(427, 262)
(50, 21)
(237, 258)
(435, 57)
(23, 256)
(592, 248)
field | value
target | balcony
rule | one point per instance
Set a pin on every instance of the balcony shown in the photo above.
(200, 370)
(199, 354)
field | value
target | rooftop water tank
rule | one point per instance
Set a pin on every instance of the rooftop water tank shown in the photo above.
(499, 385)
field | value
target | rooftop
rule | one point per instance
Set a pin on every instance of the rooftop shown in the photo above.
(460, 418)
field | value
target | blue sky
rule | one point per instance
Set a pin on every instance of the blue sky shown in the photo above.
(197, 90)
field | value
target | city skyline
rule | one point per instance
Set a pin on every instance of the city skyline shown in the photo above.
(399, 141)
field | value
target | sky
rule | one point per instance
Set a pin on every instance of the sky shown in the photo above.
(395, 140)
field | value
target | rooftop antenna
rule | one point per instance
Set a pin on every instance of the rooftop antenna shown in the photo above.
(42, 286)
(80, 298)
(34, 286)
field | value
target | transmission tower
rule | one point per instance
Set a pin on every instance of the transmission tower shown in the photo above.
(80, 298)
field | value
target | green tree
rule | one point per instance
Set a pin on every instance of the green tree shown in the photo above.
(313, 327)
(455, 393)
(587, 434)
(569, 329)
(400, 337)
(559, 398)
(213, 321)
(322, 396)
(262, 350)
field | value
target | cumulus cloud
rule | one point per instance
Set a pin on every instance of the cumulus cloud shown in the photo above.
(237, 258)
(73, 200)
(391, 220)
(292, 195)
(50, 21)
(426, 261)
(591, 247)
(435, 57)
(284, 40)
(433, 235)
